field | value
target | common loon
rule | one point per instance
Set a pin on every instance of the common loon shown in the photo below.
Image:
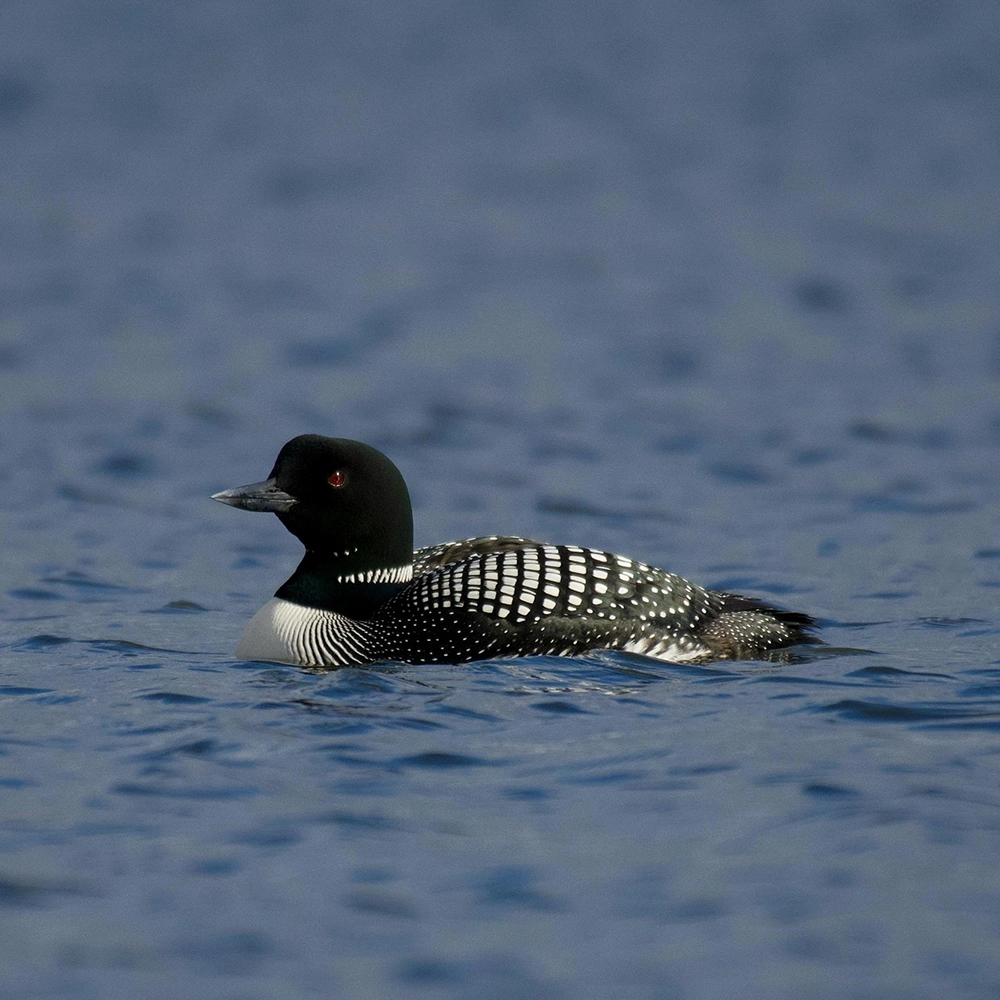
(362, 595)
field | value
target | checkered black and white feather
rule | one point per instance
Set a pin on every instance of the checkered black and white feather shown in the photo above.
(505, 596)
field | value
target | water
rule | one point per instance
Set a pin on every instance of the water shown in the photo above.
(710, 286)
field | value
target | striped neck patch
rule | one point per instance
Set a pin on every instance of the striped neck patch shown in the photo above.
(384, 574)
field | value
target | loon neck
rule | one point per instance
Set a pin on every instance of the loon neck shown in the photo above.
(344, 583)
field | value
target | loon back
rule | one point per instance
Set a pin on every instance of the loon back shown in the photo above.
(361, 595)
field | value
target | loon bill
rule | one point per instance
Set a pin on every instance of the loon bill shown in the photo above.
(362, 595)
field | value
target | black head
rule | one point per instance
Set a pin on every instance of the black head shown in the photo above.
(342, 499)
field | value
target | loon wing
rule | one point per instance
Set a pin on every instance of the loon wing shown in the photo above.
(432, 556)
(533, 597)
(517, 580)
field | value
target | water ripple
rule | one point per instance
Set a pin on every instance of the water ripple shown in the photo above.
(885, 711)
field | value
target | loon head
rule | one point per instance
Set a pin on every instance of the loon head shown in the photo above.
(342, 499)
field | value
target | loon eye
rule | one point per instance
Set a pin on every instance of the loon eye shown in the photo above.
(337, 479)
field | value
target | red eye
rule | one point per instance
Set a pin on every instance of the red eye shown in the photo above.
(337, 479)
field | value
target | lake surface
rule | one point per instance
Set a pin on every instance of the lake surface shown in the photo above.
(710, 286)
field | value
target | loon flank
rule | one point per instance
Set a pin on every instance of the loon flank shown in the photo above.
(362, 595)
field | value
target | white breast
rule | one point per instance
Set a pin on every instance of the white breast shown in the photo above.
(282, 632)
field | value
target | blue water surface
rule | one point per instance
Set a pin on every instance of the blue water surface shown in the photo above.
(711, 285)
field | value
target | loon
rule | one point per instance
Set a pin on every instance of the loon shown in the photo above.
(362, 595)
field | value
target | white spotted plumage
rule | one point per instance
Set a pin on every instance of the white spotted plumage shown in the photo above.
(488, 603)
